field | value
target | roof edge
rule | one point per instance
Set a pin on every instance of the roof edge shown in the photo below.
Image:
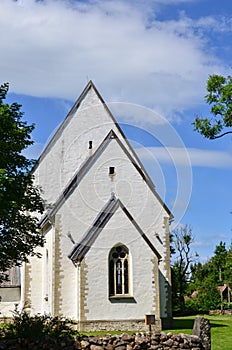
(84, 168)
(76, 105)
(85, 243)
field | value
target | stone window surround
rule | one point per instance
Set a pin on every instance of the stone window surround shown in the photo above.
(119, 273)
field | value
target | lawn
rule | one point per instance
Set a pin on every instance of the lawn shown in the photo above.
(221, 329)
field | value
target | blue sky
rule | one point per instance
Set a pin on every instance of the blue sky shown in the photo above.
(150, 60)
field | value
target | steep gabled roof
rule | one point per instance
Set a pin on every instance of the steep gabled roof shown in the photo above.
(83, 246)
(78, 176)
(65, 122)
(75, 107)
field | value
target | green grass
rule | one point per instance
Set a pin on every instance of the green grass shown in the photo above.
(221, 329)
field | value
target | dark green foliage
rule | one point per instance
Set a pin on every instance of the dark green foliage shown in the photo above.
(19, 199)
(208, 297)
(227, 271)
(38, 326)
(192, 306)
(219, 260)
(219, 97)
(228, 306)
(201, 285)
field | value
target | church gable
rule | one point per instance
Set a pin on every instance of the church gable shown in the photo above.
(118, 156)
(123, 269)
(91, 188)
(102, 227)
(77, 138)
(84, 245)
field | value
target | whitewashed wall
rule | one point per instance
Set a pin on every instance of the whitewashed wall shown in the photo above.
(55, 276)
(90, 122)
(120, 230)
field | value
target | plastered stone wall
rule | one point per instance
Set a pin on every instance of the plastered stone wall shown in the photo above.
(73, 219)
(95, 189)
(37, 279)
(142, 282)
(53, 284)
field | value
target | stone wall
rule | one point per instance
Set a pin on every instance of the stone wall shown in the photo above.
(200, 340)
(201, 329)
(140, 341)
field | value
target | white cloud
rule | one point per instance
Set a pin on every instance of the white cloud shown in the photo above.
(51, 48)
(207, 243)
(177, 156)
(206, 158)
(220, 24)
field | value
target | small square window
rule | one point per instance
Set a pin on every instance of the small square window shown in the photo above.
(111, 170)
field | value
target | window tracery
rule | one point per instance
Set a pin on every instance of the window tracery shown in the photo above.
(119, 271)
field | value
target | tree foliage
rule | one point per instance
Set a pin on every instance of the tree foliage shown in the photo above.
(20, 200)
(219, 97)
(197, 286)
(201, 287)
(182, 238)
(219, 259)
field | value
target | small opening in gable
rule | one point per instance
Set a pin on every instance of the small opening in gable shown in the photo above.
(111, 170)
(90, 144)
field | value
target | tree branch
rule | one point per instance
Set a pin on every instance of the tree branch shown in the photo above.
(225, 133)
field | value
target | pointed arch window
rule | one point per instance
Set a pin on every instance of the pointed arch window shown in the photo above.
(119, 271)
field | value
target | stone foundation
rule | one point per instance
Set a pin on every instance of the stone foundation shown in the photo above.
(121, 325)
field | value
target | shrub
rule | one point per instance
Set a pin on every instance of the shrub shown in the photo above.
(191, 305)
(38, 326)
(227, 306)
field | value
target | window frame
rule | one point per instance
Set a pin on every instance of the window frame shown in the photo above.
(119, 272)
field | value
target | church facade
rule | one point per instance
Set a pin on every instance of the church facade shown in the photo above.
(106, 261)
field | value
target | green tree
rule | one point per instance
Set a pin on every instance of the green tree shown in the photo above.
(219, 97)
(182, 239)
(208, 297)
(228, 267)
(219, 260)
(20, 200)
(198, 272)
(206, 279)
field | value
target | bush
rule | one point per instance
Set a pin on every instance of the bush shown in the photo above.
(227, 306)
(191, 305)
(38, 326)
(209, 298)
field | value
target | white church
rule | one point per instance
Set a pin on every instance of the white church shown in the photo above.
(106, 261)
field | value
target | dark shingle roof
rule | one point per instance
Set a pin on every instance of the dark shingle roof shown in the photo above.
(83, 246)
